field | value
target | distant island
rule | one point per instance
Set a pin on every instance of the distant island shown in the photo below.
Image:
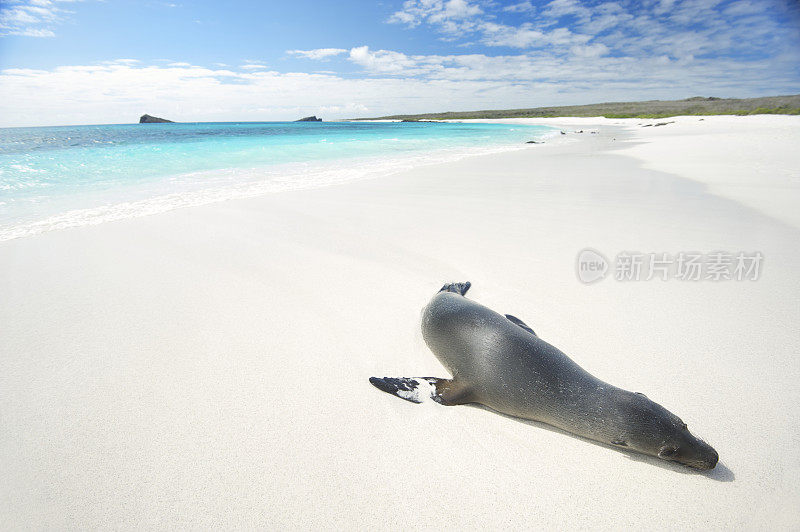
(309, 119)
(147, 119)
(698, 105)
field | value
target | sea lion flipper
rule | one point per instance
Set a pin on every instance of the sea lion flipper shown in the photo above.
(418, 389)
(514, 319)
(450, 392)
(458, 288)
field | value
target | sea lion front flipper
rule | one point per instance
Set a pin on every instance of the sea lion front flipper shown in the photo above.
(514, 319)
(417, 389)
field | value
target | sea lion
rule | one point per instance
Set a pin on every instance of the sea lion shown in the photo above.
(500, 362)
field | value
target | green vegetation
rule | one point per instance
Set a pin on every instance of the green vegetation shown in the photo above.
(739, 112)
(698, 105)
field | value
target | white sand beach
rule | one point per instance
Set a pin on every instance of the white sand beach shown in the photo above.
(208, 367)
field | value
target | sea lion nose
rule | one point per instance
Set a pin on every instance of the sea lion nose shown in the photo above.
(713, 458)
(709, 458)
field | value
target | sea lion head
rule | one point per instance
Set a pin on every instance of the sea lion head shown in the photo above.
(689, 450)
(654, 430)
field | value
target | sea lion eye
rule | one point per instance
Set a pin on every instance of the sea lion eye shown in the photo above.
(667, 451)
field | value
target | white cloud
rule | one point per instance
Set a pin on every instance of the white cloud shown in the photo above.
(450, 16)
(560, 8)
(405, 17)
(681, 30)
(120, 91)
(562, 52)
(590, 50)
(522, 7)
(460, 9)
(348, 109)
(31, 18)
(318, 53)
(744, 7)
(30, 32)
(383, 61)
(527, 36)
(523, 36)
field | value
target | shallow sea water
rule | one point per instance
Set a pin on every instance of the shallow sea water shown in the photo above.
(67, 176)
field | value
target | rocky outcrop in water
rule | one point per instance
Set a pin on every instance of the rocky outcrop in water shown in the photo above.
(309, 119)
(147, 119)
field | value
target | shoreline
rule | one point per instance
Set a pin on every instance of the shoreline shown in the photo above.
(203, 187)
(208, 367)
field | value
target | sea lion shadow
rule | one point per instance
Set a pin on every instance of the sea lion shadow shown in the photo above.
(720, 473)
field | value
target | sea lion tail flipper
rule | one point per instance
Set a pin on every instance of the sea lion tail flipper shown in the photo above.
(458, 288)
(418, 389)
(514, 319)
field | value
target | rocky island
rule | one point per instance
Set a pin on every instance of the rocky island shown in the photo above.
(309, 119)
(147, 119)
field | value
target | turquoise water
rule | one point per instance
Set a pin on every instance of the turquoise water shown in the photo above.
(58, 177)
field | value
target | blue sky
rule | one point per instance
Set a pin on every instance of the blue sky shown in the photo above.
(71, 62)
